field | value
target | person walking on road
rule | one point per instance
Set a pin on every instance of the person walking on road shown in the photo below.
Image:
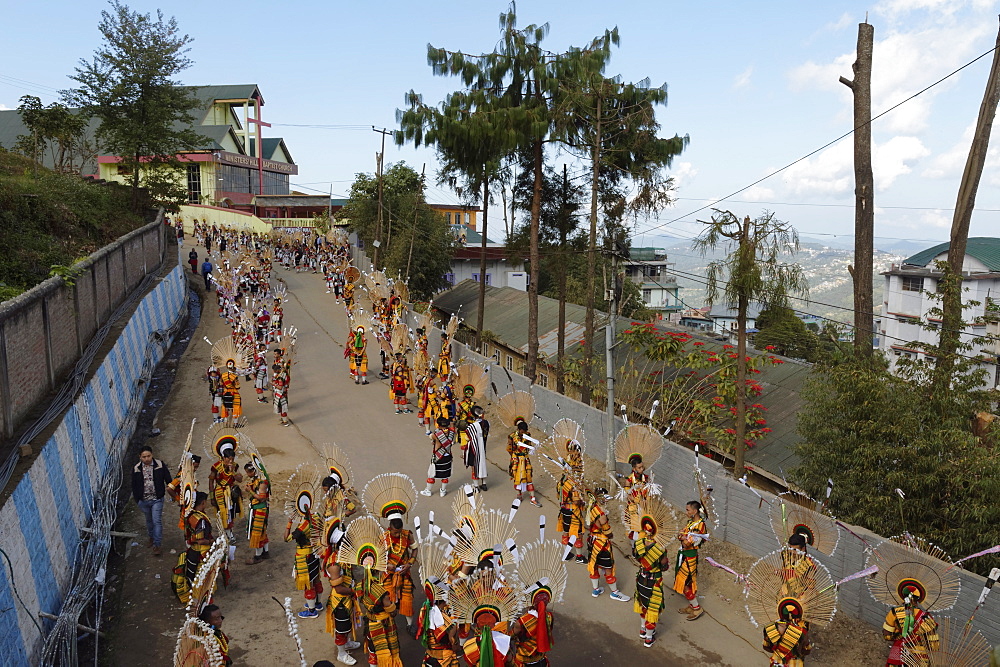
(206, 273)
(474, 455)
(150, 477)
(193, 261)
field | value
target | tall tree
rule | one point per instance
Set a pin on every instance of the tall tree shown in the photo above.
(951, 325)
(753, 272)
(130, 85)
(422, 240)
(864, 192)
(613, 126)
(507, 102)
(55, 129)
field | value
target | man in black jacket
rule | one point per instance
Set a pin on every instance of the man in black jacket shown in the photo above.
(150, 478)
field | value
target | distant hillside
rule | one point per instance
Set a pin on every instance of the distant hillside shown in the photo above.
(49, 219)
(830, 286)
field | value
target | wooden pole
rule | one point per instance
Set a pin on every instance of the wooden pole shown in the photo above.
(951, 324)
(864, 194)
(380, 158)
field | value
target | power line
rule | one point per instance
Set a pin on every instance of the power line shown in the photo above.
(826, 145)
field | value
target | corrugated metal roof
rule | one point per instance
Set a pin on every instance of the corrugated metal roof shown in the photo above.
(506, 317)
(985, 249)
(236, 91)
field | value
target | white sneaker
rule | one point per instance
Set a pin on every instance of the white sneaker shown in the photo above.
(346, 658)
(350, 646)
(618, 595)
(444, 492)
(425, 492)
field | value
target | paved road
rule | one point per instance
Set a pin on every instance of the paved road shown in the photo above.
(327, 407)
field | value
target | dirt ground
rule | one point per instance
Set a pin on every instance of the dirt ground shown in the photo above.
(143, 616)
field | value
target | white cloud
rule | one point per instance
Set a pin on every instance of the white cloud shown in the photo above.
(758, 193)
(936, 219)
(683, 173)
(832, 171)
(4, 107)
(893, 159)
(894, 9)
(902, 63)
(742, 79)
(845, 20)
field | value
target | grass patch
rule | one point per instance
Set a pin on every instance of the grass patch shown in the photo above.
(50, 220)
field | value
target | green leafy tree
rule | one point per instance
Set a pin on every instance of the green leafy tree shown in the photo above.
(752, 272)
(130, 86)
(782, 332)
(421, 237)
(55, 130)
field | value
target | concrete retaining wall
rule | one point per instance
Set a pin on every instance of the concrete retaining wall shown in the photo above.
(40, 525)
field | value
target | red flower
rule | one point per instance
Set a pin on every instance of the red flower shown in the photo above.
(769, 348)
(698, 343)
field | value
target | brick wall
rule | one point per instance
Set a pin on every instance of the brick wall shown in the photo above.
(44, 330)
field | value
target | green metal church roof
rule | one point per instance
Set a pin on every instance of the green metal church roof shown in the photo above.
(983, 248)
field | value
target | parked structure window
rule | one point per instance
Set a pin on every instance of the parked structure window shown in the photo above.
(510, 363)
(194, 183)
(475, 277)
(543, 380)
(647, 295)
(913, 284)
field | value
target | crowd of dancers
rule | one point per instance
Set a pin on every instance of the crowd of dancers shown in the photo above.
(488, 594)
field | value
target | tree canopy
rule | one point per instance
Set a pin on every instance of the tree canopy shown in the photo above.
(130, 85)
(418, 238)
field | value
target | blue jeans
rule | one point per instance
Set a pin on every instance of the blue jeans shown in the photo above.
(153, 509)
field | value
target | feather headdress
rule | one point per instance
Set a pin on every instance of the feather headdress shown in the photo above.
(220, 438)
(789, 582)
(471, 376)
(485, 600)
(435, 557)
(911, 567)
(391, 495)
(352, 274)
(788, 517)
(226, 349)
(375, 280)
(639, 440)
(197, 645)
(542, 567)
(704, 489)
(364, 545)
(466, 507)
(514, 407)
(492, 539)
(337, 464)
(249, 450)
(958, 646)
(188, 480)
(452, 326)
(652, 518)
(402, 290)
(203, 585)
(400, 337)
(304, 496)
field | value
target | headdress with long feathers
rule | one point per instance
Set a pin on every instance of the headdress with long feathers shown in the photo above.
(197, 645)
(958, 645)
(471, 375)
(789, 517)
(364, 545)
(910, 567)
(220, 438)
(203, 585)
(652, 518)
(492, 539)
(226, 349)
(482, 596)
(514, 407)
(638, 439)
(390, 495)
(790, 582)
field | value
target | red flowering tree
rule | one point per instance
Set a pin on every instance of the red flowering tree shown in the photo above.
(695, 384)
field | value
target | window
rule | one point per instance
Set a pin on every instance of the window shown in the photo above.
(194, 183)
(468, 218)
(475, 277)
(448, 216)
(449, 278)
(510, 363)
(647, 296)
(913, 284)
(543, 380)
(496, 354)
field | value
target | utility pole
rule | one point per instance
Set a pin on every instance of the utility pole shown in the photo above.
(864, 193)
(379, 159)
(416, 213)
(480, 314)
(609, 361)
(561, 337)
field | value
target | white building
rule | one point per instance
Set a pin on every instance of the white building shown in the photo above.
(908, 286)
(500, 271)
(648, 269)
(724, 318)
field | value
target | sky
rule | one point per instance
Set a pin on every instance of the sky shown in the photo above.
(754, 85)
